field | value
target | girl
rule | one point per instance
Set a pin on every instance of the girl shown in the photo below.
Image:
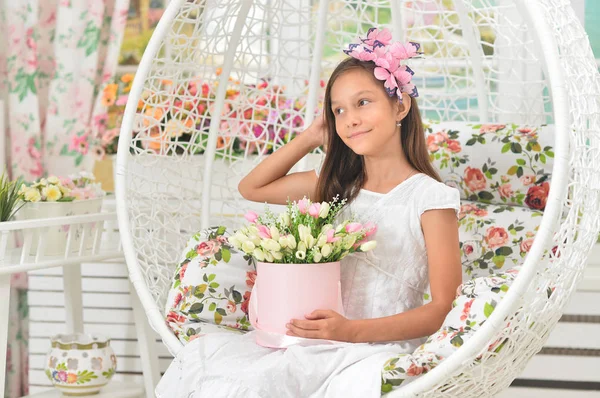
(377, 159)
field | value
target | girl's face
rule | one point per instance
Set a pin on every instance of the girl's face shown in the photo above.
(365, 118)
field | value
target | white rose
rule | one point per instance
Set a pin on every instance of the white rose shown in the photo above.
(258, 254)
(370, 245)
(53, 180)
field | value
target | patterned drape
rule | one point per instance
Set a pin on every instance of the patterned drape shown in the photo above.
(55, 57)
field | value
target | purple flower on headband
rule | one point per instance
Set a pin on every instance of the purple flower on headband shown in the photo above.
(378, 48)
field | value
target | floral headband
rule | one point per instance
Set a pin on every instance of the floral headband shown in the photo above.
(378, 47)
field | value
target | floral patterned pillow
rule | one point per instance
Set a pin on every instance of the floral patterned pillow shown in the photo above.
(503, 164)
(475, 302)
(211, 287)
(494, 237)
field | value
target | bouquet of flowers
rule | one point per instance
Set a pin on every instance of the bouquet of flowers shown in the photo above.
(62, 189)
(304, 234)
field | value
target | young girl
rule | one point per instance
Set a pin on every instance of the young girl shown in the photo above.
(377, 159)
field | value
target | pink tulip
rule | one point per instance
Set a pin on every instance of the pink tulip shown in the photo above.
(353, 227)
(251, 217)
(370, 229)
(330, 236)
(303, 206)
(314, 210)
(264, 232)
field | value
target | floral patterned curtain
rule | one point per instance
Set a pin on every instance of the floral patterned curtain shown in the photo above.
(55, 57)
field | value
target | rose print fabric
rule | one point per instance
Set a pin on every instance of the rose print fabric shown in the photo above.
(211, 287)
(501, 164)
(54, 57)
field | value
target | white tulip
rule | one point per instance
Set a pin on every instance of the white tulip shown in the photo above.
(291, 241)
(303, 232)
(269, 257)
(284, 219)
(326, 250)
(370, 245)
(277, 255)
(310, 241)
(341, 227)
(283, 242)
(258, 254)
(271, 245)
(317, 257)
(324, 210)
(326, 228)
(349, 242)
(301, 247)
(322, 240)
(274, 233)
(248, 247)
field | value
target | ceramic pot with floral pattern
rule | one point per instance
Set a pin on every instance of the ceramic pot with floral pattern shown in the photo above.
(80, 364)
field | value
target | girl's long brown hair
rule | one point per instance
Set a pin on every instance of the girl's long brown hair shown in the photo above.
(343, 170)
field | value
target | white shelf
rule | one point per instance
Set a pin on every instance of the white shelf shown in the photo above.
(114, 389)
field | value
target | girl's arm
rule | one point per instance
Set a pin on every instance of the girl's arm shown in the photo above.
(440, 229)
(269, 181)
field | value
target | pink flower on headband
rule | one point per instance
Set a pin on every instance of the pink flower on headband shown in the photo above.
(360, 53)
(377, 48)
(383, 36)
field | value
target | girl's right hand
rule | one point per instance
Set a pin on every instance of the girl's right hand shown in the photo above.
(317, 131)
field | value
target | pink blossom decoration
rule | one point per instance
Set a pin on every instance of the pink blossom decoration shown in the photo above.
(251, 217)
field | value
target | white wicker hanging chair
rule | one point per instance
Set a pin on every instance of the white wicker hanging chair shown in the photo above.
(485, 60)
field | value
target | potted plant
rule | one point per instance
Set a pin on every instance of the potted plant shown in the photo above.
(297, 256)
(59, 197)
(10, 201)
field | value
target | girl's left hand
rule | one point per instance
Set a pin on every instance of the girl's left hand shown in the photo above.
(322, 324)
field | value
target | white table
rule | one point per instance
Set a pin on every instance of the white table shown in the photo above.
(21, 259)
(114, 389)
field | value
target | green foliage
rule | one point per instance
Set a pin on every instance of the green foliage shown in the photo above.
(10, 200)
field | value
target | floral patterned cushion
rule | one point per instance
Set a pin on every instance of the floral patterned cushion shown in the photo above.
(503, 164)
(494, 237)
(211, 287)
(476, 300)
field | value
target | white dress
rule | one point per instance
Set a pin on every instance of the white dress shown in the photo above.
(389, 280)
